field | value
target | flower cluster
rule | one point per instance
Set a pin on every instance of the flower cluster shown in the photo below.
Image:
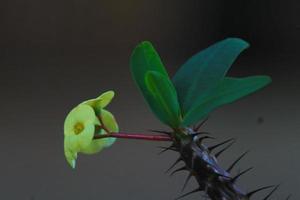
(84, 122)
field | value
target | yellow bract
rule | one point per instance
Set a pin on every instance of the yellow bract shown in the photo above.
(100, 102)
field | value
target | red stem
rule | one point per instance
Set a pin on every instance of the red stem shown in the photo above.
(135, 136)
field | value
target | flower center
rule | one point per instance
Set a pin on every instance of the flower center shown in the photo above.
(78, 128)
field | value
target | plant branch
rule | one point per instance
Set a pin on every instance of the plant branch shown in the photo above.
(135, 136)
(102, 126)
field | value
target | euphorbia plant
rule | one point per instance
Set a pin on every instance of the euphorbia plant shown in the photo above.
(182, 103)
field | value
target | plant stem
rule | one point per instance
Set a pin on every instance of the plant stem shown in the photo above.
(135, 136)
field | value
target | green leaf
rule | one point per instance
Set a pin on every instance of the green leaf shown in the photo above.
(165, 103)
(205, 70)
(144, 59)
(228, 91)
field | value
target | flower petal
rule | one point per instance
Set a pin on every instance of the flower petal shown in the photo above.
(85, 138)
(70, 155)
(111, 124)
(81, 114)
(106, 98)
(100, 102)
(94, 147)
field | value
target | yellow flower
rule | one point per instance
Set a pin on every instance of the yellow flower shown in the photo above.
(83, 122)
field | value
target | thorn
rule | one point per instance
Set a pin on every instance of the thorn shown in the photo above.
(203, 138)
(158, 131)
(217, 145)
(166, 149)
(275, 188)
(240, 174)
(173, 165)
(178, 170)
(189, 193)
(200, 124)
(236, 161)
(224, 149)
(249, 194)
(199, 133)
(186, 181)
(221, 175)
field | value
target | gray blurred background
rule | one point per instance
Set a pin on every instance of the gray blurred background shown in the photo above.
(55, 54)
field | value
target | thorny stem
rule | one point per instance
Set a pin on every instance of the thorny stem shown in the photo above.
(135, 136)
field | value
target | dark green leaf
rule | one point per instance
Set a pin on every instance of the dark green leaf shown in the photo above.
(165, 103)
(229, 90)
(144, 59)
(205, 70)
